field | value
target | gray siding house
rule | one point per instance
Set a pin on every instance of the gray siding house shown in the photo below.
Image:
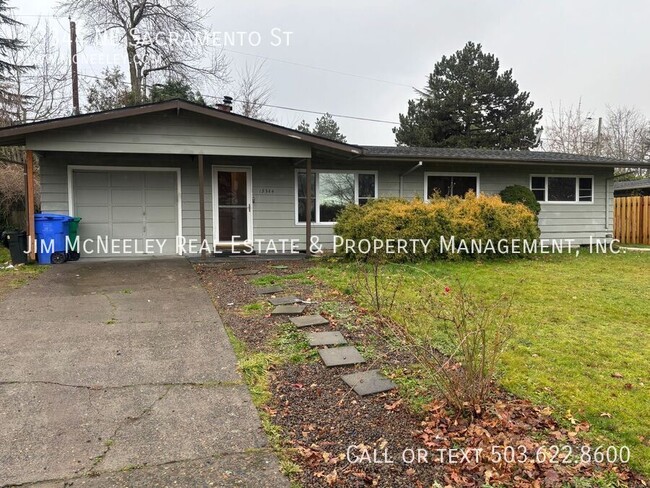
(174, 168)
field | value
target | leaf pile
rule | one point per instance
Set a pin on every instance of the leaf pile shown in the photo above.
(540, 453)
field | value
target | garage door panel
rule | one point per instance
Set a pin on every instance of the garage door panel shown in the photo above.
(91, 196)
(162, 179)
(121, 197)
(93, 215)
(90, 231)
(127, 179)
(91, 179)
(127, 215)
(127, 230)
(131, 205)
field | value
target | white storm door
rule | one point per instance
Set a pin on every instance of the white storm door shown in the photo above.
(232, 204)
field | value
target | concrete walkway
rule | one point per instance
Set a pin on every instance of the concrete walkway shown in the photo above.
(121, 374)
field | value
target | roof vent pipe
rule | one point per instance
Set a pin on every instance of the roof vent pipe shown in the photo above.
(225, 105)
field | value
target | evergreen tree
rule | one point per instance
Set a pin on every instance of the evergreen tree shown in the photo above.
(172, 89)
(468, 103)
(109, 92)
(325, 126)
(8, 47)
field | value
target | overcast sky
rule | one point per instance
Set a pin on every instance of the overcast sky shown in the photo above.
(560, 51)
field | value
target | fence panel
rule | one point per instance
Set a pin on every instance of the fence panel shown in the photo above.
(632, 220)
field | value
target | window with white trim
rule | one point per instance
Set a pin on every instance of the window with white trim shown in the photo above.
(563, 189)
(331, 192)
(450, 184)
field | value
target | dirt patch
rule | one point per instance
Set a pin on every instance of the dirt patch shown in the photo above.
(325, 426)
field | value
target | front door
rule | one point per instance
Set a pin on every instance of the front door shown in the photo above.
(233, 206)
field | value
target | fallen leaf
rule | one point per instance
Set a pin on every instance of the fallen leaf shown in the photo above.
(393, 406)
(331, 478)
(617, 375)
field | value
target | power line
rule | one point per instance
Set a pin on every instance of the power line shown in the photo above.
(320, 68)
(280, 107)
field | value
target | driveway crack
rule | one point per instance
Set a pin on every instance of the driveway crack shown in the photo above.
(199, 384)
(121, 425)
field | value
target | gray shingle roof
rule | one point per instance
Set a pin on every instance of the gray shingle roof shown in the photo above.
(492, 155)
(632, 184)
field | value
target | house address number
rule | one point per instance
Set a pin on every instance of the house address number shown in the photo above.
(266, 190)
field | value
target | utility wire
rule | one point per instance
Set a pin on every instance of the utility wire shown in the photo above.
(319, 68)
(280, 107)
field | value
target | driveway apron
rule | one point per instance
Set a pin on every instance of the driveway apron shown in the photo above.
(121, 374)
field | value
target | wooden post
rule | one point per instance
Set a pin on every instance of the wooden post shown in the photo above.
(308, 209)
(29, 192)
(75, 74)
(201, 203)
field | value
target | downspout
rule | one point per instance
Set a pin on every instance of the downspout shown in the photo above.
(401, 177)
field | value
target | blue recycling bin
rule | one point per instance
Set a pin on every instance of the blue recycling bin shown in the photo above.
(51, 231)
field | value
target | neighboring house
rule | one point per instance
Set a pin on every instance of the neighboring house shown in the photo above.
(137, 173)
(632, 188)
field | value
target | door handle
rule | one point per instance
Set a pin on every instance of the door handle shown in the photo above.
(249, 207)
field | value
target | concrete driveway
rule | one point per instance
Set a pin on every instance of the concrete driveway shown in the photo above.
(121, 374)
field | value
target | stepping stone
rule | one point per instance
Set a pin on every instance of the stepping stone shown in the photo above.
(268, 290)
(288, 309)
(246, 272)
(341, 356)
(233, 266)
(331, 338)
(283, 300)
(309, 320)
(368, 382)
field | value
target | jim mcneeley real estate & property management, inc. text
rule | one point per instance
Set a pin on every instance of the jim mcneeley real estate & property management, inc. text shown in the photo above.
(339, 245)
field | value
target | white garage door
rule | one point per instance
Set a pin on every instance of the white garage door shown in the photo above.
(128, 207)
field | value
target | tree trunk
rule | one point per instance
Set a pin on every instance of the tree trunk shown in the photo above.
(134, 72)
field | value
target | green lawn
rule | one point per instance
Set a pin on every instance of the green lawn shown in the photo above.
(14, 278)
(579, 321)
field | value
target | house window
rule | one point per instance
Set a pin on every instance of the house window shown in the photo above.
(453, 184)
(332, 191)
(563, 189)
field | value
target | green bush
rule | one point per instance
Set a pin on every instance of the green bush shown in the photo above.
(484, 218)
(521, 194)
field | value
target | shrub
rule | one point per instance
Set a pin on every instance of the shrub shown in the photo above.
(521, 194)
(477, 332)
(472, 218)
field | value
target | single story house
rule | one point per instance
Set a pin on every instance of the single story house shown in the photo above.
(632, 188)
(174, 168)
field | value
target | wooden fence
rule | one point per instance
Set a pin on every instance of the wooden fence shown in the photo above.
(632, 220)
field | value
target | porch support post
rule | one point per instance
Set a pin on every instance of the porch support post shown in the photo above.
(29, 193)
(201, 203)
(308, 208)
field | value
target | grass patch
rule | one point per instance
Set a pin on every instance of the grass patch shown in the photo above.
(273, 279)
(290, 346)
(16, 277)
(254, 308)
(579, 320)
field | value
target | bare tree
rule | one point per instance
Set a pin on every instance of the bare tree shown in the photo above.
(627, 134)
(254, 92)
(43, 91)
(571, 130)
(163, 38)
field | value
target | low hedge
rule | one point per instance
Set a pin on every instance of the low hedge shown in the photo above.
(484, 218)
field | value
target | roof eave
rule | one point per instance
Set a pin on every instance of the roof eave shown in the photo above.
(429, 159)
(16, 136)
